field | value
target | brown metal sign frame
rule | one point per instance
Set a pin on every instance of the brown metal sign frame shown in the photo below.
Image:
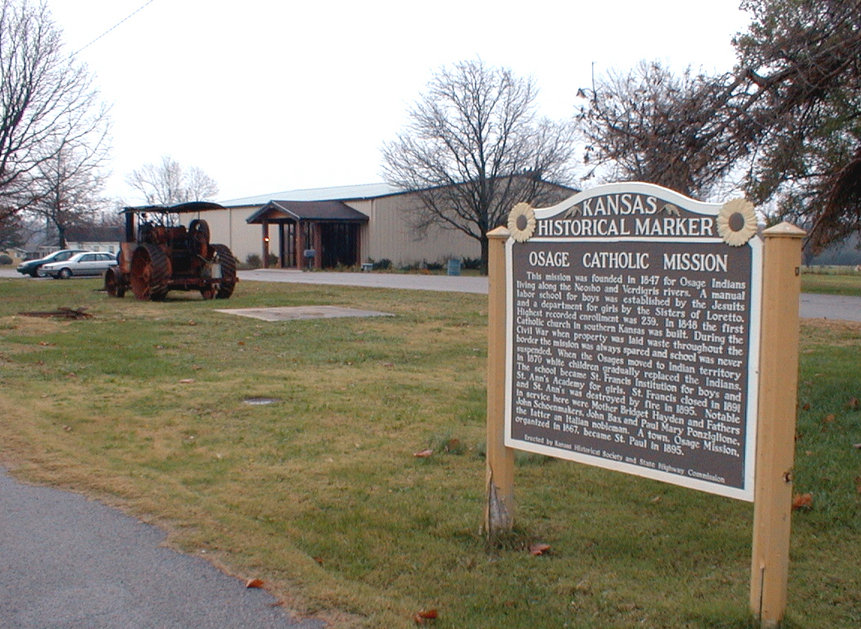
(614, 354)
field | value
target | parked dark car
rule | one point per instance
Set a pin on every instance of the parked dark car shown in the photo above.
(86, 263)
(31, 267)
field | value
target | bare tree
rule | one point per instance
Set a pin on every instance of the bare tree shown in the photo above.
(474, 148)
(651, 125)
(199, 186)
(13, 232)
(169, 183)
(45, 98)
(801, 60)
(787, 119)
(70, 182)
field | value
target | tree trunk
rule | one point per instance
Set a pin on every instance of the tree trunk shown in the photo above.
(484, 253)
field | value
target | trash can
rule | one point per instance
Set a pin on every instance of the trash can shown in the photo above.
(454, 266)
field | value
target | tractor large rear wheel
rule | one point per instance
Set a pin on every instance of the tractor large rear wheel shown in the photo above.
(150, 273)
(228, 271)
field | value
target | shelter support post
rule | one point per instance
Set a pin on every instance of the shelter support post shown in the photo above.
(298, 245)
(499, 511)
(265, 245)
(778, 384)
(281, 261)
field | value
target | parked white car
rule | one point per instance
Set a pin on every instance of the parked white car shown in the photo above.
(31, 267)
(86, 263)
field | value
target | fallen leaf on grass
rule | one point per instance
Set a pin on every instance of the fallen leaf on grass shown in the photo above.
(254, 583)
(186, 381)
(828, 419)
(423, 454)
(853, 403)
(805, 406)
(802, 501)
(423, 616)
(539, 549)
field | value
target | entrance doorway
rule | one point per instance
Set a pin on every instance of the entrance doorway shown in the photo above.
(331, 229)
(340, 244)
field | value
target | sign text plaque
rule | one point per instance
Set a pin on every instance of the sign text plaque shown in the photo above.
(633, 335)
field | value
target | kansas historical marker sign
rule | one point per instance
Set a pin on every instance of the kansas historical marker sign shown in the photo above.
(632, 329)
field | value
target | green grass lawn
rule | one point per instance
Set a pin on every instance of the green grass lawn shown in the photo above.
(319, 494)
(831, 281)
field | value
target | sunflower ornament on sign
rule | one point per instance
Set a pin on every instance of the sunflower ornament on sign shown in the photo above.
(736, 222)
(521, 222)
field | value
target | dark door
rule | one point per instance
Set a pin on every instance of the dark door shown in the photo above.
(340, 244)
(287, 238)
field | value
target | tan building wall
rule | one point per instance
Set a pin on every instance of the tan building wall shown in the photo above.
(387, 234)
(229, 227)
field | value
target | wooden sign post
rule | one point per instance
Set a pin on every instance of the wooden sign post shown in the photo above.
(636, 329)
(777, 412)
(499, 512)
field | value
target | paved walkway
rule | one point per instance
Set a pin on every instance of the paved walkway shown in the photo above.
(443, 283)
(70, 562)
(811, 307)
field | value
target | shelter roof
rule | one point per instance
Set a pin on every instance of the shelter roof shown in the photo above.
(307, 211)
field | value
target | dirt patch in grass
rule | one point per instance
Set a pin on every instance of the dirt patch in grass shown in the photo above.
(292, 313)
(830, 332)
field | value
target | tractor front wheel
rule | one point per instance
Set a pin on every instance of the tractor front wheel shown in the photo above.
(114, 285)
(198, 234)
(228, 271)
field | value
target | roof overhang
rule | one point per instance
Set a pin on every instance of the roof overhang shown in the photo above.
(317, 211)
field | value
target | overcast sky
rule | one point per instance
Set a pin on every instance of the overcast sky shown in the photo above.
(271, 95)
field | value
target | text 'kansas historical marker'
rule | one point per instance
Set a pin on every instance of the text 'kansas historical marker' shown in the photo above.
(633, 335)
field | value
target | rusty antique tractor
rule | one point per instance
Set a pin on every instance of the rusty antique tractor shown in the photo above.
(160, 254)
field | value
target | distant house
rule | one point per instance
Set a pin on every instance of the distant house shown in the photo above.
(45, 240)
(94, 238)
(16, 253)
(346, 225)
